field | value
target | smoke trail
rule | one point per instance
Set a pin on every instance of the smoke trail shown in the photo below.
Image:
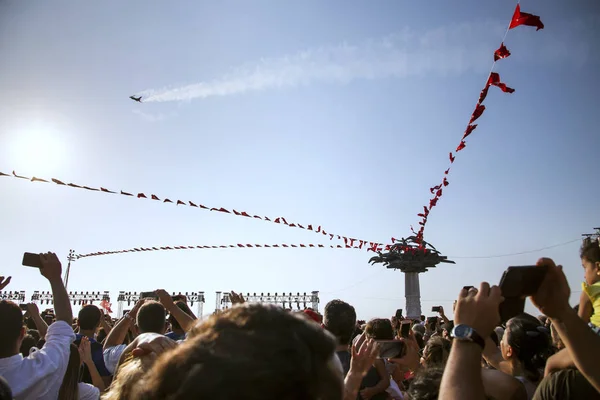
(445, 51)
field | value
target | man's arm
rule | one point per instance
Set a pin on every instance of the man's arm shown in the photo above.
(52, 270)
(582, 343)
(119, 331)
(552, 299)
(185, 321)
(40, 324)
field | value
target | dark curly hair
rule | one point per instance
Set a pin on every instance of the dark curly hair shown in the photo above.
(380, 329)
(531, 342)
(590, 250)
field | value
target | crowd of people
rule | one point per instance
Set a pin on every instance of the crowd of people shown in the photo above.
(161, 350)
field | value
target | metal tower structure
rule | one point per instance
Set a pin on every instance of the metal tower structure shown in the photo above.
(412, 257)
(132, 297)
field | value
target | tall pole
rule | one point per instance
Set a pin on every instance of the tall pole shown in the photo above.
(70, 258)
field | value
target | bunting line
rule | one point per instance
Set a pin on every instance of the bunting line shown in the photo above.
(229, 246)
(348, 241)
(493, 79)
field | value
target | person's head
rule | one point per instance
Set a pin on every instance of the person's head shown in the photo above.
(12, 330)
(173, 321)
(340, 319)
(423, 318)
(526, 341)
(426, 384)
(26, 344)
(419, 339)
(380, 329)
(35, 333)
(89, 318)
(69, 388)
(269, 352)
(590, 260)
(419, 328)
(152, 318)
(436, 352)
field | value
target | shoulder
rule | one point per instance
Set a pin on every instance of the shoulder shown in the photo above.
(88, 392)
(497, 384)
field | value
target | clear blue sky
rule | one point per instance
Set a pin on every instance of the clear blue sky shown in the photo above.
(334, 113)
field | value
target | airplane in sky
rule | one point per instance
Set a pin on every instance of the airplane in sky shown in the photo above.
(138, 99)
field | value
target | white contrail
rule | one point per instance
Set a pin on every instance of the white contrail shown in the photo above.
(445, 51)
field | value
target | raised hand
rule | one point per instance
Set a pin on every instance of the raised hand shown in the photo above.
(85, 351)
(164, 297)
(51, 267)
(479, 309)
(552, 297)
(32, 309)
(364, 356)
(4, 282)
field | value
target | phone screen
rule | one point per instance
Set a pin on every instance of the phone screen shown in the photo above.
(522, 281)
(32, 260)
(399, 314)
(435, 309)
(405, 330)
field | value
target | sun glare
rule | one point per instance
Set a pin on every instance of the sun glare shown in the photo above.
(38, 150)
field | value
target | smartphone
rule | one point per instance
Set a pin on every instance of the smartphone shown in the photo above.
(516, 284)
(405, 330)
(32, 260)
(436, 309)
(179, 297)
(391, 348)
(522, 281)
(148, 295)
(467, 288)
(23, 307)
(399, 314)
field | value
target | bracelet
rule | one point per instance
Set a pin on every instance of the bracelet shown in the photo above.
(129, 317)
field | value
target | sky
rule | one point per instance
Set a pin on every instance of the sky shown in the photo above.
(336, 113)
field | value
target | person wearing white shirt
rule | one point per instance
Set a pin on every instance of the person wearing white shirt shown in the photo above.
(40, 375)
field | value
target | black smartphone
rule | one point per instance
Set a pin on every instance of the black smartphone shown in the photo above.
(516, 284)
(148, 295)
(399, 314)
(391, 348)
(522, 281)
(467, 288)
(23, 307)
(32, 260)
(436, 309)
(405, 329)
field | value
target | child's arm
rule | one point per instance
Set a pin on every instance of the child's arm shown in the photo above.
(586, 309)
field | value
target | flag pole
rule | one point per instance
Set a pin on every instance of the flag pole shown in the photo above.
(71, 257)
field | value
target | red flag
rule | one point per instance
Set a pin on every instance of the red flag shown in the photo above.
(154, 197)
(521, 18)
(494, 79)
(501, 53)
(477, 113)
(451, 158)
(106, 306)
(461, 146)
(483, 94)
(446, 172)
(445, 182)
(470, 129)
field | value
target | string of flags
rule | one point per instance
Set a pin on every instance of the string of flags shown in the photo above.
(348, 241)
(229, 246)
(518, 18)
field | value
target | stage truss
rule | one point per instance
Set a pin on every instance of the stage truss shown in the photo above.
(285, 300)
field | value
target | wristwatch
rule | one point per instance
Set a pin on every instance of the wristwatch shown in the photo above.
(466, 333)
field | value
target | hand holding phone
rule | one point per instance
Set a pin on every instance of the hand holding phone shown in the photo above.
(405, 329)
(149, 295)
(436, 309)
(391, 348)
(516, 284)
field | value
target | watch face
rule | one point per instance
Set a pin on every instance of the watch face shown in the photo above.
(462, 331)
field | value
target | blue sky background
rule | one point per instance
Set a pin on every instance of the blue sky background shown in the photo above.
(354, 148)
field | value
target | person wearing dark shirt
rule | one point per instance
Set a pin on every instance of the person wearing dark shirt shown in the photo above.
(340, 320)
(88, 321)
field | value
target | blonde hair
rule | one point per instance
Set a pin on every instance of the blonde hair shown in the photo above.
(127, 376)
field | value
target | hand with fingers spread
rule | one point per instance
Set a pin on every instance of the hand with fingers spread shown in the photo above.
(363, 356)
(236, 298)
(4, 282)
(479, 309)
